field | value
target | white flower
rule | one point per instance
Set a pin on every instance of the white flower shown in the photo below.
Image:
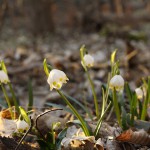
(117, 82)
(22, 125)
(139, 93)
(3, 77)
(88, 60)
(56, 79)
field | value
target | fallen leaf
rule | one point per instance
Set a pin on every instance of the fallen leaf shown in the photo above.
(7, 127)
(7, 115)
(135, 137)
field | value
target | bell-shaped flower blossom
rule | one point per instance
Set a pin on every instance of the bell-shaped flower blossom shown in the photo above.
(56, 79)
(117, 82)
(88, 61)
(139, 93)
(22, 125)
(3, 77)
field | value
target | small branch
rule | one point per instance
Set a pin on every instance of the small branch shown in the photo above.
(39, 116)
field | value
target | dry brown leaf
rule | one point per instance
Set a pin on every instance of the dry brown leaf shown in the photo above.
(135, 137)
(99, 144)
(7, 115)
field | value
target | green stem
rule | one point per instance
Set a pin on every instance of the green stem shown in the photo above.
(53, 135)
(94, 93)
(146, 101)
(116, 107)
(84, 127)
(100, 120)
(7, 100)
(105, 95)
(13, 96)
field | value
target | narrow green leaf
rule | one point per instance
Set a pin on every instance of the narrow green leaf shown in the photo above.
(124, 118)
(45, 145)
(61, 135)
(45, 67)
(146, 101)
(3, 67)
(133, 108)
(128, 92)
(24, 115)
(99, 123)
(113, 56)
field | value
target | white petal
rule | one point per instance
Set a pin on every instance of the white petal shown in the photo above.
(3, 77)
(56, 79)
(89, 60)
(117, 82)
(139, 93)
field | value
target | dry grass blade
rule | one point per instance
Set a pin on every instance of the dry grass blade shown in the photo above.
(138, 137)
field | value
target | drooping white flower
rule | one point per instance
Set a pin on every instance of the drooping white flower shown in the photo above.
(117, 82)
(139, 93)
(22, 125)
(88, 60)
(56, 79)
(3, 77)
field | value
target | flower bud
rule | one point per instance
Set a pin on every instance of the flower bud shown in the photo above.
(56, 79)
(22, 125)
(88, 60)
(3, 77)
(117, 82)
(139, 93)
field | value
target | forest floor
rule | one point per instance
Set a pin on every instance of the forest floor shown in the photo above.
(24, 60)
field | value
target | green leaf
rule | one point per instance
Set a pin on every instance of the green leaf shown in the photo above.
(61, 135)
(24, 115)
(3, 67)
(82, 53)
(49, 137)
(55, 125)
(43, 144)
(30, 91)
(133, 110)
(124, 118)
(113, 56)
(128, 92)
(46, 70)
(146, 101)
(46, 145)
(100, 120)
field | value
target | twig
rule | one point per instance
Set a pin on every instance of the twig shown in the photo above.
(19, 144)
(37, 118)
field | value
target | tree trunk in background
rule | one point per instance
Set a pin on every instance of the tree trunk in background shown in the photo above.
(3, 9)
(39, 16)
(118, 7)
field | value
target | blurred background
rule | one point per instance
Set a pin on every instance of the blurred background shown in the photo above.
(31, 30)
